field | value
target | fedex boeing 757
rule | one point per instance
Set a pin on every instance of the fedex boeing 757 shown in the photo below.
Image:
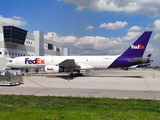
(55, 64)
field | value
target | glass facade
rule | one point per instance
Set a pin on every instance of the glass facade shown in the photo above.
(14, 35)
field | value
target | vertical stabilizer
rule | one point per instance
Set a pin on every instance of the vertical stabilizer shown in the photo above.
(138, 47)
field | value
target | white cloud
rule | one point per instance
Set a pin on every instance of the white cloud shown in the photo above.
(92, 45)
(90, 28)
(114, 26)
(150, 48)
(15, 20)
(69, 39)
(61, 39)
(131, 35)
(17, 17)
(135, 28)
(96, 45)
(149, 7)
(157, 25)
(157, 36)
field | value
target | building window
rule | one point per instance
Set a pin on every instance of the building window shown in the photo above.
(0, 53)
(12, 53)
(15, 54)
(50, 47)
(9, 53)
(6, 53)
(58, 49)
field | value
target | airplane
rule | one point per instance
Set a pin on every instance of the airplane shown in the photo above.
(71, 64)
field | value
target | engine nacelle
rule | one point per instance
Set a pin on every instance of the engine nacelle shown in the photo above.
(52, 69)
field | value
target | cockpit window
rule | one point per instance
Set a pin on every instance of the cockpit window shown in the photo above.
(10, 60)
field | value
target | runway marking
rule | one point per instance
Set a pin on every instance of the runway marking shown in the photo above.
(35, 83)
(115, 83)
(147, 84)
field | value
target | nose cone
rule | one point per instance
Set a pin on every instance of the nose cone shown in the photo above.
(9, 64)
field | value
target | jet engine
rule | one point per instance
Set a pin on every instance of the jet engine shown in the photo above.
(53, 69)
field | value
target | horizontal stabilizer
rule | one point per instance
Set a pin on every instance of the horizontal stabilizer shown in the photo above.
(142, 60)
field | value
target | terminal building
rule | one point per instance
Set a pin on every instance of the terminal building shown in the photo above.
(15, 42)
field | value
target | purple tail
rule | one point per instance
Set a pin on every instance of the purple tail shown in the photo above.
(138, 47)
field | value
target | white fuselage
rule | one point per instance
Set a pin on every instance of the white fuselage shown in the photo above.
(86, 62)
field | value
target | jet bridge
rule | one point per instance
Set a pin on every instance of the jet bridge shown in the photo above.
(11, 77)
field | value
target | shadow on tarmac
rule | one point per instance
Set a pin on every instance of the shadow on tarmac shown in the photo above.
(67, 77)
(72, 78)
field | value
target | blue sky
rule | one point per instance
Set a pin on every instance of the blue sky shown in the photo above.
(88, 27)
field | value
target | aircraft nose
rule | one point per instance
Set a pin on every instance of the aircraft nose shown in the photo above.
(8, 64)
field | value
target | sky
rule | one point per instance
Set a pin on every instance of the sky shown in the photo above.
(88, 27)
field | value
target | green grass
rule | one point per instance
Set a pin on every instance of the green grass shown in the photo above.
(25, 107)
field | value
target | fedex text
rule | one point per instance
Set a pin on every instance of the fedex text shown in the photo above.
(51, 69)
(34, 61)
(139, 46)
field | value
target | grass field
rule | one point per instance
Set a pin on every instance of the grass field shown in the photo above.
(24, 107)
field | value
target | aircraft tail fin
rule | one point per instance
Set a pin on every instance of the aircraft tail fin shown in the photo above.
(138, 47)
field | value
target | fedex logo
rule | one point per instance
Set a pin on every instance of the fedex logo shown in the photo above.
(35, 61)
(51, 69)
(139, 46)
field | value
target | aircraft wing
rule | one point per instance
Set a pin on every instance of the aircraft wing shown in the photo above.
(69, 63)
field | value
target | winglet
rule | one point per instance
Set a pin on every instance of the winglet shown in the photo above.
(138, 47)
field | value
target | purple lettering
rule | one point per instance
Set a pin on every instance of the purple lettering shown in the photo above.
(35, 61)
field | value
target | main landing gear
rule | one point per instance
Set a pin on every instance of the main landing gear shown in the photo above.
(75, 74)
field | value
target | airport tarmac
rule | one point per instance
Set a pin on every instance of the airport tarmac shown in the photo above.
(139, 83)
